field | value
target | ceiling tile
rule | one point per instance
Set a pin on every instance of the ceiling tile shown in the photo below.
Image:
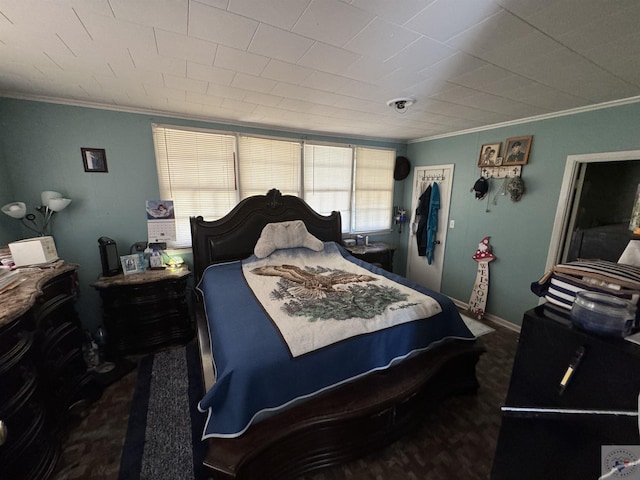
(245, 62)
(198, 86)
(286, 72)
(332, 22)
(180, 46)
(208, 73)
(170, 15)
(421, 54)
(220, 26)
(445, 19)
(381, 40)
(327, 58)
(279, 44)
(397, 12)
(253, 83)
(280, 13)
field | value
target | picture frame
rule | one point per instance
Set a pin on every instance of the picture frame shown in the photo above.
(516, 150)
(133, 263)
(489, 154)
(94, 159)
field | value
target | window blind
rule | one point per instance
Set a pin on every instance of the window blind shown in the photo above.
(267, 163)
(373, 188)
(328, 175)
(197, 171)
(206, 173)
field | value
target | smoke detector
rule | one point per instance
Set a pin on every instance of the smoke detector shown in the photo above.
(401, 105)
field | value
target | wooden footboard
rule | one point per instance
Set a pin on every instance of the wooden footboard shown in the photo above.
(346, 422)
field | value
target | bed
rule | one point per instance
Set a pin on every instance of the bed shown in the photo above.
(303, 426)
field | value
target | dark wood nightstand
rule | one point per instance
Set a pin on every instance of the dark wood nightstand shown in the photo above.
(377, 253)
(144, 312)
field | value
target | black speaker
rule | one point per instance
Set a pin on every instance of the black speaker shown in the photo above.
(109, 257)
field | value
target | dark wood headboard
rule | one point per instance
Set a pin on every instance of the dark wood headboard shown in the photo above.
(234, 236)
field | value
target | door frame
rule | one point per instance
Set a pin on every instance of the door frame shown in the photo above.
(570, 181)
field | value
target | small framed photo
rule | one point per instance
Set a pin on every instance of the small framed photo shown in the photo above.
(516, 150)
(133, 263)
(94, 159)
(489, 154)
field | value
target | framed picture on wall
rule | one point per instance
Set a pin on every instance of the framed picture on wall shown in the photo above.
(516, 150)
(94, 159)
(489, 154)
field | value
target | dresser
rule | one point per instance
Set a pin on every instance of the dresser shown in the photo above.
(146, 311)
(43, 375)
(563, 438)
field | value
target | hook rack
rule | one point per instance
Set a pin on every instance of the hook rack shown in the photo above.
(501, 172)
(432, 178)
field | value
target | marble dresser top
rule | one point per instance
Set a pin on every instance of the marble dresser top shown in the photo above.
(18, 297)
(141, 278)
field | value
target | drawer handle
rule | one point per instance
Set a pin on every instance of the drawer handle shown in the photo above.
(3, 432)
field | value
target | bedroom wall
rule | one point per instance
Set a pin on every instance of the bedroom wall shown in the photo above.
(40, 150)
(520, 231)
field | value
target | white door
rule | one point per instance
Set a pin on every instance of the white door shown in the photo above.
(418, 269)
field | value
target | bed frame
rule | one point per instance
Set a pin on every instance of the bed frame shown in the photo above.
(346, 422)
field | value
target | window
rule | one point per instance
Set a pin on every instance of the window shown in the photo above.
(207, 173)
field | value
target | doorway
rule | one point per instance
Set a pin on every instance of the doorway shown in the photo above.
(583, 227)
(418, 269)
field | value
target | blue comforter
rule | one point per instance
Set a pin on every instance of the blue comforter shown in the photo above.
(255, 373)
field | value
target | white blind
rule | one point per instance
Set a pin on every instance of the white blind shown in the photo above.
(197, 171)
(328, 173)
(207, 173)
(373, 189)
(267, 163)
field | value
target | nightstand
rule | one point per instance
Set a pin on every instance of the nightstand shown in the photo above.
(147, 311)
(377, 253)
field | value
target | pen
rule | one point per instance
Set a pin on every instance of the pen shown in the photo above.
(573, 366)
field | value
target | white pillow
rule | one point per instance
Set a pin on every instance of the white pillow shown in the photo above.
(291, 234)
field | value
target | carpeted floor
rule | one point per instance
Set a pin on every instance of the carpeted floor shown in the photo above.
(456, 442)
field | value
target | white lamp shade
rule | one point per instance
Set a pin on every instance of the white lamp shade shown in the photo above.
(47, 195)
(57, 204)
(15, 209)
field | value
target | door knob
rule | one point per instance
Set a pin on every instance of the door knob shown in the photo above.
(437, 242)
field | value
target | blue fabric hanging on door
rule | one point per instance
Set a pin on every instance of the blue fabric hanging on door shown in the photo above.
(432, 223)
(423, 212)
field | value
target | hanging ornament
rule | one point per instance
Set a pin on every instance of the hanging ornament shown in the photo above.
(478, 300)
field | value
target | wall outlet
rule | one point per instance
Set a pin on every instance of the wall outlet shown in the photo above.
(452, 224)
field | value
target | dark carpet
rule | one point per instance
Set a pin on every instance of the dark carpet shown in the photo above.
(457, 441)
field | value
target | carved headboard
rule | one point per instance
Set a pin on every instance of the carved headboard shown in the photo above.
(234, 236)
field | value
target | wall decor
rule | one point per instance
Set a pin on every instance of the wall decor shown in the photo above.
(489, 155)
(94, 159)
(516, 150)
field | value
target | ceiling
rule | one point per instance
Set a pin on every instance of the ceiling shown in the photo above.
(325, 66)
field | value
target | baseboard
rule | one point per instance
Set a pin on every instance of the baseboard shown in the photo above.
(487, 316)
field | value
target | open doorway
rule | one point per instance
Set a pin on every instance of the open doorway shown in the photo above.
(596, 199)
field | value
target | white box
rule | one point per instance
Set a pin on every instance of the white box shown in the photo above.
(33, 251)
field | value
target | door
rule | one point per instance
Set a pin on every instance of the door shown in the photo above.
(418, 269)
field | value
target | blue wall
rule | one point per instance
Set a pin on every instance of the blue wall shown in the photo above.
(40, 150)
(520, 231)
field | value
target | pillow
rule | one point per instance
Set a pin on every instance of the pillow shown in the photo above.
(292, 234)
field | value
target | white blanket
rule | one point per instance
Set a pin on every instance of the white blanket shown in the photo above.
(319, 298)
